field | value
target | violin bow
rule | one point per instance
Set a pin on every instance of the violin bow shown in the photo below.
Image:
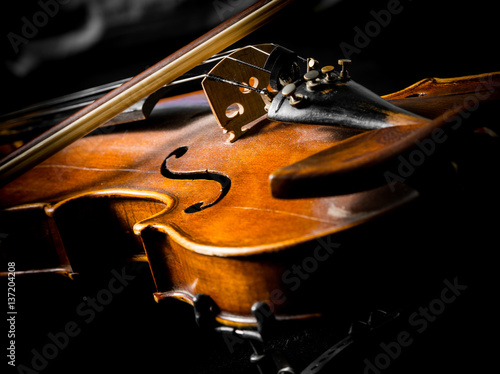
(146, 83)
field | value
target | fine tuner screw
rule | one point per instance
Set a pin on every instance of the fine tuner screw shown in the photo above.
(311, 75)
(289, 92)
(328, 72)
(311, 64)
(311, 78)
(344, 74)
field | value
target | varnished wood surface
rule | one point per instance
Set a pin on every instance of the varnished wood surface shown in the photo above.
(237, 251)
(361, 161)
(432, 97)
(187, 250)
(139, 152)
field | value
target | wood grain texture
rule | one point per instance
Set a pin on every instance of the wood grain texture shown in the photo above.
(240, 250)
(431, 97)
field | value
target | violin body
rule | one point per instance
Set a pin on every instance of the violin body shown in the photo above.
(171, 191)
(291, 214)
(245, 241)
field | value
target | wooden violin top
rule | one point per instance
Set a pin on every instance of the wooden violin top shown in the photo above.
(126, 161)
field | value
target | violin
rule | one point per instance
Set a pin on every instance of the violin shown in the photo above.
(242, 194)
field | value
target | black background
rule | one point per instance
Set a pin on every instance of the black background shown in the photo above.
(134, 334)
(427, 38)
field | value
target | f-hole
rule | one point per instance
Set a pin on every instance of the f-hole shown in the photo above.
(224, 181)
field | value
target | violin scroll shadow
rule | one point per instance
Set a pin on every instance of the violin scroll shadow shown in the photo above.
(220, 178)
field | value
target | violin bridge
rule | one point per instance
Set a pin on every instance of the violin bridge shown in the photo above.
(234, 105)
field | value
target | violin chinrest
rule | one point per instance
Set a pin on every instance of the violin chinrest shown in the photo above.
(371, 158)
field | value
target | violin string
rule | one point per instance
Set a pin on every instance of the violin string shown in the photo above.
(40, 108)
(218, 56)
(218, 79)
(242, 85)
(7, 123)
(50, 107)
(237, 84)
(226, 54)
(260, 50)
(276, 45)
(249, 64)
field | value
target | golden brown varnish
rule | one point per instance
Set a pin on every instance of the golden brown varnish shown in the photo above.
(361, 161)
(236, 251)
(226, 250)
(432, 97)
